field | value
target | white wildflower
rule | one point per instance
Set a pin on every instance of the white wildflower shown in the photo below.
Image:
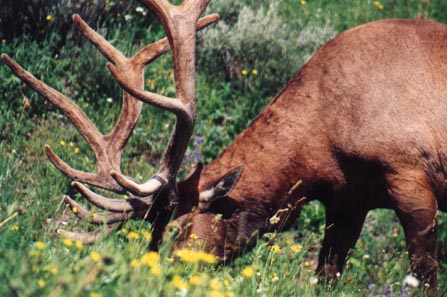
(411, 281)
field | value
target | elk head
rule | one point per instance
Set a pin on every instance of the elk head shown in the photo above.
(156, 200)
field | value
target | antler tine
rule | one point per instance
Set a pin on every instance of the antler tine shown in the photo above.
(180, 23)
(115, 205)
(97, 218)
(108, 51)
(89, 237)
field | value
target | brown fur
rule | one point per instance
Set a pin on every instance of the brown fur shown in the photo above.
(363, 125)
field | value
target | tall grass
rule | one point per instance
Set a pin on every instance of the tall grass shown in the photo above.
(35, 261)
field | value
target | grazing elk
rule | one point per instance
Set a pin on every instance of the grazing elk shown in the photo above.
(361, 126)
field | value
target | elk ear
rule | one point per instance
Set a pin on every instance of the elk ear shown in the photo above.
(188, 190)
(220, 189)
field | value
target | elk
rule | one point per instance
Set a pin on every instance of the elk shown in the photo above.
(361, 126)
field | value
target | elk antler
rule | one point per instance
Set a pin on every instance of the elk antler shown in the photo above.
(180, 23)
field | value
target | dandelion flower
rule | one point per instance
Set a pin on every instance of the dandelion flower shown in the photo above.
(303, 2)
(62, 143)
(296, 248)
(193, 236)
(94, 294)
(244, 72)
(49, 17)
(254, 72)
(68, 242)
(79, 245)
(179, 283)
(248, 272)
(54, 271)
(41, 283)
(156, 269)
(191, 256)
(194, 280)
(74, 209)
(215, 284)
(40, 245)
(147, 235)
(133, 235)
(95, 256)
(378, 5)
(135, 263)
(276, 249)
(215, 293)
(77, 150)
(15, 228)
(150, 259)
(71, 144)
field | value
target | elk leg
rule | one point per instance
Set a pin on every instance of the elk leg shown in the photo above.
(341, 234)
(416, 206)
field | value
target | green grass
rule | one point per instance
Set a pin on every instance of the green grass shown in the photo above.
(35, 261)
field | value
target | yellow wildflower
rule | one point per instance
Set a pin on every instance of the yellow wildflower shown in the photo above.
(54, 271)
(68, 242)
(150, 259)
(303, 2)
(194, 280)
(179, 283)
(215, 284)
(248, 272)
(62, 143)
(244, 71)
(191, 256)
(95, 256)
(276, 249)
(254, 72)
(193, 236)
(135, 263)
(79, 245)
(71, 144)
(40, 245)
(94, 294)
(133, 235)
(296, 248)
(15, 228)
(378, 5)
(49, 17)
(215, 293)
(77, 150)
(306, 264)
(156, 269)
(41, 283)
(3, 41)
(75, 209)
(147, 235)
